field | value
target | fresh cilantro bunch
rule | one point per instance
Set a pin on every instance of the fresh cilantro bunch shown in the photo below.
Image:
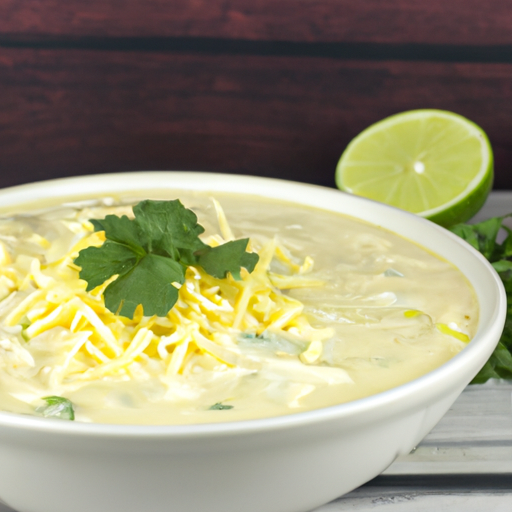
(498, 250)
(150, 253)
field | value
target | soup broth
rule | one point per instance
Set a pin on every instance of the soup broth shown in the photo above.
(336, 311)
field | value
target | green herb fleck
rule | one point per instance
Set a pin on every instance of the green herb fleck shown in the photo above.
(149, 255)
(272, 342)
(24, 323)
(57, 407)
(486, 238)
(220, 407)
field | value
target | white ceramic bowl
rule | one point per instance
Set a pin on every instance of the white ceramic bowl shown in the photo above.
(285, 464)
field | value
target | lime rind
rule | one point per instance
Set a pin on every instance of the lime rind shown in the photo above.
(466, 208)
(443, 137)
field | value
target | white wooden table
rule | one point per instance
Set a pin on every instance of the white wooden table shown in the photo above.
(463, 465)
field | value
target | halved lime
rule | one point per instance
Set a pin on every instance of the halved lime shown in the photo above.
(434, 163)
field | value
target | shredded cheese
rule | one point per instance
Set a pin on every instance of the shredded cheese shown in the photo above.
(205, 322)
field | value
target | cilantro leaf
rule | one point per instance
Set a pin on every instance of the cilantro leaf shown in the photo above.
(167, 226)
(494, 241)
(502, 266)
(148, 256)
(101, 263)
(148, 283)
(121, 230)
(228, 257)
(483, 237)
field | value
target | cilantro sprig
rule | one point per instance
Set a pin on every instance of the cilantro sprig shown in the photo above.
(150, 253)
(494, 240)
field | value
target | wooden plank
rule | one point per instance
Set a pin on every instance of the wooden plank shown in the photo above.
(400, 499)
(467, 22)
(457, 493)
(417, 501)
(73, 112)
(474, 437)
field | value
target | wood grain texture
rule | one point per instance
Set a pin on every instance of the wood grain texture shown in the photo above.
(468, 22)
(73, 112)
(474, 437)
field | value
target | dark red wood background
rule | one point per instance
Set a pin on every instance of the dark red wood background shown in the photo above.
(264, 87)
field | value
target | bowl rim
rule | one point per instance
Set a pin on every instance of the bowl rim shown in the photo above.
(381, 404)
